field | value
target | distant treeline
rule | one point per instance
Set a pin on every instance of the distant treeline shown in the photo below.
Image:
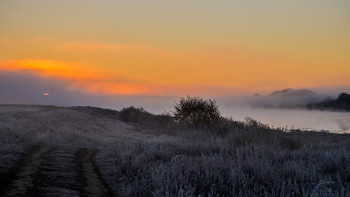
(342, 103)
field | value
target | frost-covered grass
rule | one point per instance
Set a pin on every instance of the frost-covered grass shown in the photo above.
(171, 166)
(24, 126)
(233, 159)
(46, 127)
(151, 155)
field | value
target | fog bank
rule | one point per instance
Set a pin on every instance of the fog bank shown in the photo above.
(25, 88)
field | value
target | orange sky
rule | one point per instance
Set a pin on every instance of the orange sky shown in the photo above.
(168, 48)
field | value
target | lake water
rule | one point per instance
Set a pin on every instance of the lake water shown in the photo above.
(297, 119)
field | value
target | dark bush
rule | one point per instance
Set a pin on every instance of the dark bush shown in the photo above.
(197, 113)
(147, 120)
(254, 124)
(133, 114)
(342, 103)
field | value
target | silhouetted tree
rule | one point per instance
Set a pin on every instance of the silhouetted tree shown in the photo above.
(197, 113)
(342, 103)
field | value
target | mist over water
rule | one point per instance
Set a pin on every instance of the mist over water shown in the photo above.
(274, 117)
(285, 109)
(24, 88)
(293, 118)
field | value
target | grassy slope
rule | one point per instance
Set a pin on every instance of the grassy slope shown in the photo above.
(153, 156)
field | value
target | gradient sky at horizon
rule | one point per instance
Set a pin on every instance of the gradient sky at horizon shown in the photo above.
(176, 48)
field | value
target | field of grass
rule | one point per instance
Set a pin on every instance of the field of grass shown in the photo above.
(136, 153)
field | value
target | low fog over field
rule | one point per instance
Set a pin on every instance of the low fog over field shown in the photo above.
(26, 88)
(30, 89)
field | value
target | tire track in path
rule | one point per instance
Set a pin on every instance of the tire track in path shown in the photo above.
(59, 174)
(55, 171)
(21, 179)
(94, 184)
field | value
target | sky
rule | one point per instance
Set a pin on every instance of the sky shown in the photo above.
(171, 47)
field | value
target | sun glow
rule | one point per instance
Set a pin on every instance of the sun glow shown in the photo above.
(78, 75)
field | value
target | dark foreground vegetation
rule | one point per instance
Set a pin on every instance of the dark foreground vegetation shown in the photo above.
(159, 155)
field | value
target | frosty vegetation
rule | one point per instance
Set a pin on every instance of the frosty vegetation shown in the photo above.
(144, 154)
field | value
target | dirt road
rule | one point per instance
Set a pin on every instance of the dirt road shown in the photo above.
(54, 171)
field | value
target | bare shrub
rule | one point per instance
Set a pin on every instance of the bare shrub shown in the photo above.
(133, 114)
(252, 123)
(195, 112)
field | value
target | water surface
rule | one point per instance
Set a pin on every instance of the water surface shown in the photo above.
(293, 118)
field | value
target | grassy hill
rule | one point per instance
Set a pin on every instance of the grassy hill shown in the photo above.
(87, 151)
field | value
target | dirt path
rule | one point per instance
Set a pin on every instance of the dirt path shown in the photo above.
(21, 179)
(94, 183)
(54, 171)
